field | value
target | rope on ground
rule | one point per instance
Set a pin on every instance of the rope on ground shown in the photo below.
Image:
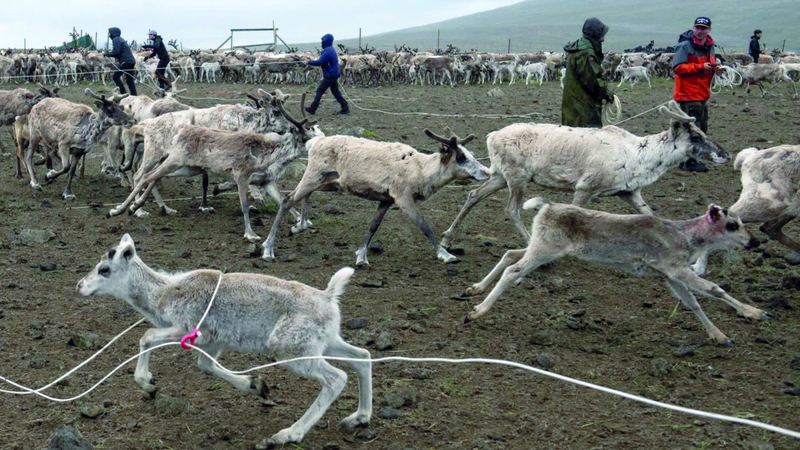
(695, 412)
(414, 113)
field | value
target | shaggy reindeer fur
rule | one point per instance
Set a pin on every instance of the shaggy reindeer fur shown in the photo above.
(770, 73)
(71, 128)
(20, 101)
(640, 244)
(241, 155)
(770, 193)
(386, 172)
(592, 162)
(157, 134)
(251, 313)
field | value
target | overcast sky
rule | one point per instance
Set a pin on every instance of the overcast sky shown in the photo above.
(205, 24)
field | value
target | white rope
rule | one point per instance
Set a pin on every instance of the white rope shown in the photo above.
(556, 376)
(729, 77)
(208, 308)
(641, 113)
(483, 116)
(612, 111)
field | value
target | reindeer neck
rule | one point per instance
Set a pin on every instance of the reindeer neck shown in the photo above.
(142, 292)
(661, 149)
(91, 129)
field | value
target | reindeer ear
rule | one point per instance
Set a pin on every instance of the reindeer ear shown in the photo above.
(126, 247)
(715, 214)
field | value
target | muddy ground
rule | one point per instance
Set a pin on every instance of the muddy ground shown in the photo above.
(587, 322)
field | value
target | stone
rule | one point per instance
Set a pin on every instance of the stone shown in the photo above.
(253, 249)
(46, 203)
(68, 439)
(356, 132)
(31, 237)
(357, 323)
(83, 341)
(186, 254)
(376, 247)
(422, 374)
(659, 367)
(452, 270)
(172, 407)
(384, 341)
(684, 352)
(37, 363)
(792, 258)
(288, 258)
(107, 403)
(756, 444)
(409, 398)
(47, 267)
(544, 362)
(372, 284)
(542, 339)
(393, 401)
(92, 410)
(389, 413)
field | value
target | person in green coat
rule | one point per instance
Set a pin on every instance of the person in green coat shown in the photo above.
(584, 86)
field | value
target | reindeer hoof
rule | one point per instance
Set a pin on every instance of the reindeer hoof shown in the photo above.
(259, 385)
(765, 316)
(68, 196)
(167, 211)
(727, 343)
(215, 192)
(205, 209)
(467, 319)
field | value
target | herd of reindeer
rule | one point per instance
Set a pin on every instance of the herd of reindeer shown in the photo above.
(253, 143)
(372, 68)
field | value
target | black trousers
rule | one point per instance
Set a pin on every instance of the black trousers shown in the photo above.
(126, 70)
(161, 74)
(698, 110)
(333, 84)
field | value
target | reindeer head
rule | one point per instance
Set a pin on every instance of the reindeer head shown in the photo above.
(453, 148)
(116, 272)
(722, 229)
(109, 111)
(690, 138)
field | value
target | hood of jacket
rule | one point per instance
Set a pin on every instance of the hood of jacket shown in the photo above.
(754, 37)
(327, 40)
(594, 28)
(689, 36)
(585, 43)
(114, 32)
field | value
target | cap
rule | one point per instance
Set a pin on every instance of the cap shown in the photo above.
(153, 32)
(757, 32)
(702, 22)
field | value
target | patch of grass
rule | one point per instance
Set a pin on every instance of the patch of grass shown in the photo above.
(369, 134)
(483, 237)
(324, 221)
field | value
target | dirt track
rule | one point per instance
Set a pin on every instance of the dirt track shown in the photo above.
(589, 322)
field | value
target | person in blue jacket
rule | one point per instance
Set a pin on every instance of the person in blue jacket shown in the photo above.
(329, 63)
(125, 62)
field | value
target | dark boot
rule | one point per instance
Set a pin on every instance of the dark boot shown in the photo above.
(693, 165)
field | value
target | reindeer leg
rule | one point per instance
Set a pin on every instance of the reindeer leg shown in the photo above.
(773, 229)
(411, 210)
(686, 297)
(510, 257)
(361, 253)
(207, 209)
(710, 289)
(636, 201)
(494, 184)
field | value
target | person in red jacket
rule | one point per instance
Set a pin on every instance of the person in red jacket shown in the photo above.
(694, 64)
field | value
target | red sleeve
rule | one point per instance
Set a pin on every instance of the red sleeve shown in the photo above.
(688, 68)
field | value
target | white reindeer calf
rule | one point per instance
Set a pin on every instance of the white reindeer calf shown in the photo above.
(633, 74)
(251, 313)
(639, 243)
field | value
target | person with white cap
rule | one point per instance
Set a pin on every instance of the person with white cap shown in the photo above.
(694, 64)
(158, 49)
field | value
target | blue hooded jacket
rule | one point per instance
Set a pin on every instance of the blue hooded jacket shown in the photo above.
(120, 50)
(328, 60)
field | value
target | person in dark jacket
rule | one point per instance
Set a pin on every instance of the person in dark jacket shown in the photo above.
(329, 63)
(755, 46)
(160, 50)
(694, 64)
(584, 86)
(125, 62)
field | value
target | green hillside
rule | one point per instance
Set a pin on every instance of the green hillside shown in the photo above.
(547, 25)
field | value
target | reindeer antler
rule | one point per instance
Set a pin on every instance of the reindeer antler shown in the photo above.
(279, 99)
(452, 142)
(674, 111)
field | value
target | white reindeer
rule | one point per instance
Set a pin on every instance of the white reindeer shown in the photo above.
(251, 313)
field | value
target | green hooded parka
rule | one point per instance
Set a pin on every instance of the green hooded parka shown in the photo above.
(584, 87)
